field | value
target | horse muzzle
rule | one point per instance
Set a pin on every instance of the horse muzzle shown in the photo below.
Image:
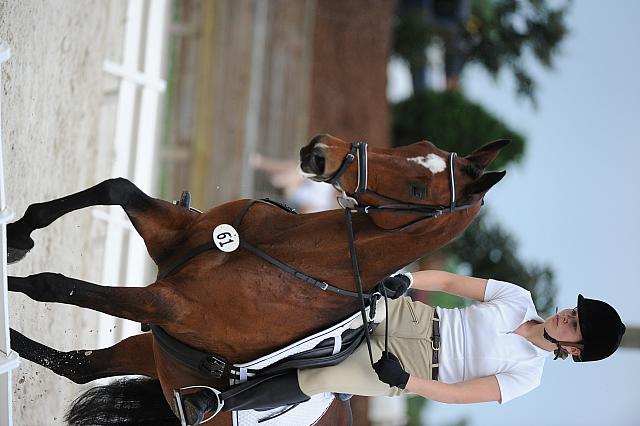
(312, 162)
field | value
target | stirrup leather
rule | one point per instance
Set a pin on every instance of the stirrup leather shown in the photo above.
(178, 395)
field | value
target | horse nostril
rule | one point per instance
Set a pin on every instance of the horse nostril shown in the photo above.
(312, 160)
(318, 161)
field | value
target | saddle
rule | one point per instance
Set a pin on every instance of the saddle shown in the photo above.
(323, 349)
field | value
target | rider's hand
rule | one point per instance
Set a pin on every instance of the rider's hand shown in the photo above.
(396, 285)
(390, 371)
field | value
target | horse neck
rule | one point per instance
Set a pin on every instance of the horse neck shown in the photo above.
(394, 250)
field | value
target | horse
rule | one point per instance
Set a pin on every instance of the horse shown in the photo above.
(405, 202)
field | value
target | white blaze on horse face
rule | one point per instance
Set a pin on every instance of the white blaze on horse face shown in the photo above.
(434, 163)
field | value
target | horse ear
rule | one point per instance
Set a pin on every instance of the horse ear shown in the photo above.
(483, 156)
(484, 183)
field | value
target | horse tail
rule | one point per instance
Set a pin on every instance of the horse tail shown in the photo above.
(128, 401)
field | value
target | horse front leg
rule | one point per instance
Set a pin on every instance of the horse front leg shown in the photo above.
(133, 355)
(158, 222)
(157, 303)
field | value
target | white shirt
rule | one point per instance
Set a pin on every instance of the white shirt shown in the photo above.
(477, 341)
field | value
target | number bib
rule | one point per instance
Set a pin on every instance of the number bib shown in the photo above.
(226, 238)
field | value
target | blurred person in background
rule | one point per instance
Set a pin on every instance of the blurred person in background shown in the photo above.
(305, 195)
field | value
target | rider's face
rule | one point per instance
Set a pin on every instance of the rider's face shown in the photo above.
(564, 326)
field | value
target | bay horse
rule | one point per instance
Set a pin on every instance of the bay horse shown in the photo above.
(406, 202)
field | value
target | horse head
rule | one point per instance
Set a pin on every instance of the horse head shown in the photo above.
(419, 180)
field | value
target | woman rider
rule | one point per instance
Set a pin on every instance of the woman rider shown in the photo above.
(493, 350)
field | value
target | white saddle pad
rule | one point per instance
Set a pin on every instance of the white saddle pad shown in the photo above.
(311, 411)
(310, 342)
(307, 413)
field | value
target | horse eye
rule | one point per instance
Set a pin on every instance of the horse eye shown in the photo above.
(418, 190)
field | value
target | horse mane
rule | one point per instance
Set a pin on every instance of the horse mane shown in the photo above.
(128, 401)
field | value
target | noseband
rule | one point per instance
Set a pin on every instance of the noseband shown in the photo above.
(359, 151)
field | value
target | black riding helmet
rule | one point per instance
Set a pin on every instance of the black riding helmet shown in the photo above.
(601, 328)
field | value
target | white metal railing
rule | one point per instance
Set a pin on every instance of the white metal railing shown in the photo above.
(8, 359)
(140, 89)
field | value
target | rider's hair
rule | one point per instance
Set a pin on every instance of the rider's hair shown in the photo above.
(561, 353)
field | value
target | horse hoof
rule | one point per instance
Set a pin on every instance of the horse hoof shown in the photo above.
(16, 254)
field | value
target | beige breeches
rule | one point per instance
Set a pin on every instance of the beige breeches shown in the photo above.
(410, 326)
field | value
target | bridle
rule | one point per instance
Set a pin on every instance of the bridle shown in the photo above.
(359, 151)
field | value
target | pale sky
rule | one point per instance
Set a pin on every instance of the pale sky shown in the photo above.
(574, 203)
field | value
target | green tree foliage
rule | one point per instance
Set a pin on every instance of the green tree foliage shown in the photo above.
(411, 35)
(497, 34)
(453, 123)
(488, 250)
(415, 406)
(500, 34)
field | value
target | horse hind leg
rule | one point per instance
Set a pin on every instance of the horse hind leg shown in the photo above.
(157, 303)
(158, 222)
(133, 355)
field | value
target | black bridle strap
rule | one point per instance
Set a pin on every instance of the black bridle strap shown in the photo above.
(363, 167)
(397, 206)
(174, 266)
(452, 182)
(348, 159)
(429, 212)
(322, 285)
(358, 281)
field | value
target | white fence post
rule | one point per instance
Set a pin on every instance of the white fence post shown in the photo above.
(8, 359)
(141, 87)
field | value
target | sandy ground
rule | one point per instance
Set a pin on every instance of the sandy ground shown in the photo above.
(57, 109)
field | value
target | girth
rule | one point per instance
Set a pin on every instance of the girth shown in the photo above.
(217, 367)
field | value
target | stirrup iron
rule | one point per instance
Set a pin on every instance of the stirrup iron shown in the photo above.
(178, 395)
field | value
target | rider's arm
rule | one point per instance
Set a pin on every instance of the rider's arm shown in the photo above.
(483, 389)
(459, 285)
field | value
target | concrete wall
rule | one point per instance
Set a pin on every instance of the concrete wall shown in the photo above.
(57, 115)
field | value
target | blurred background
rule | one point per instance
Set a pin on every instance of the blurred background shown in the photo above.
(218, 96)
